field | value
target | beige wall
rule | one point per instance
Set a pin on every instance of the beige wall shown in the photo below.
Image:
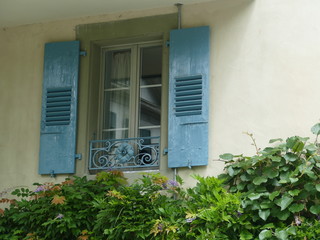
(265, 63)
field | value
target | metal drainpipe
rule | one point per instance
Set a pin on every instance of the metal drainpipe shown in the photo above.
(179, 6)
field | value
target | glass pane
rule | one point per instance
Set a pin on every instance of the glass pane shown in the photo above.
(151, 65)
(150, 132)
(117, 134)
(150, 106)
(118, 67)
(116, 109)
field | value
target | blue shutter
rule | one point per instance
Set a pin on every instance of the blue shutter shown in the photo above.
(188, 97)
(59, 108)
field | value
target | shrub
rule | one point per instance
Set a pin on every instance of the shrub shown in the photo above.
(280, 186)
(62, 211)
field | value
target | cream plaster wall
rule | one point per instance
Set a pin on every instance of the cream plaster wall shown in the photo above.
(265, 63)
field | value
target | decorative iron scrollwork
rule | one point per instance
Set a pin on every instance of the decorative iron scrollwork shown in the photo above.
(124, 153)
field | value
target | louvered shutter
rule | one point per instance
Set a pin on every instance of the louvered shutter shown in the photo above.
(188, 97)
(59, 108)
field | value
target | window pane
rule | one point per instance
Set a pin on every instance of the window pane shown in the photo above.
(151, 65)
(150, 132)
(150, 106)
(116, 109)
(118, 67)
(117, 134)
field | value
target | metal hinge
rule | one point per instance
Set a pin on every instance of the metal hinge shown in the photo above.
(165, 151)
(78, 156)
(83, 53)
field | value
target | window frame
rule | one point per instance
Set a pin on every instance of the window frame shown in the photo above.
(134, 88)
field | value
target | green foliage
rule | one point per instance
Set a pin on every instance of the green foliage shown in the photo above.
(271, 195)
(59, 211)
(153, 207)
(280, 186)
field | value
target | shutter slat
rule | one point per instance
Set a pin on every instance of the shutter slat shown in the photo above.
(58, 101)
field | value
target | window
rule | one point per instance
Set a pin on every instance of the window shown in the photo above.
(130, 107)
(131, 91)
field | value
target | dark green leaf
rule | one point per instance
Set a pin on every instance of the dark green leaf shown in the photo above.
(264, 214)
(254, 196)
(259, 180)
(291, 157)
(298, 146)
(294, 192)
(275, 140)
(284, 202)
(282, 215)
(282, 235)
(245, 235)
(291, 230)
(310, 187)
(315, 209)
(265, 234)
(274, 195)
(296, 207)
(226, 156)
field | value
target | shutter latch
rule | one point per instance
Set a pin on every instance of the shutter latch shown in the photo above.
(78, 156)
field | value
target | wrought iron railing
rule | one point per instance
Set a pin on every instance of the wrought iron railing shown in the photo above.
(124, 153)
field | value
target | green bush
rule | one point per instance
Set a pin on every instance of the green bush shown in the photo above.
(280, 186)
(56, 211)
(107, 208)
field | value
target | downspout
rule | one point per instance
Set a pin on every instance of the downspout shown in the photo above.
(179, 6)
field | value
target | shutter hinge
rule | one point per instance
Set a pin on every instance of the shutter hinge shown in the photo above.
(189, 164)
(165, 151)
(168, 43)
(78, 156)
(83, 53)
(52, 174)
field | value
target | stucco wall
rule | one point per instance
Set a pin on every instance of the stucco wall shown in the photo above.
(264, 79)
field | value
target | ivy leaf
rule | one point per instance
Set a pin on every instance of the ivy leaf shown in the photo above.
(294, 192)
(245, 235)
(284, 202)
(275, 140)
(276, 159)
(259, 180)
(298, 146)
(315, 209)
(274, 195)
(271, 172)
(291, 230)
(264, 214)
(318, 187)
(265, 234)
(293, 180)
(291, 157)
(316, 129)
(282, 235)
(282, 215)
(309, 187)
(226, 156)
(231, 171)
(296, 207)
(266, 204)
(254, 196)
